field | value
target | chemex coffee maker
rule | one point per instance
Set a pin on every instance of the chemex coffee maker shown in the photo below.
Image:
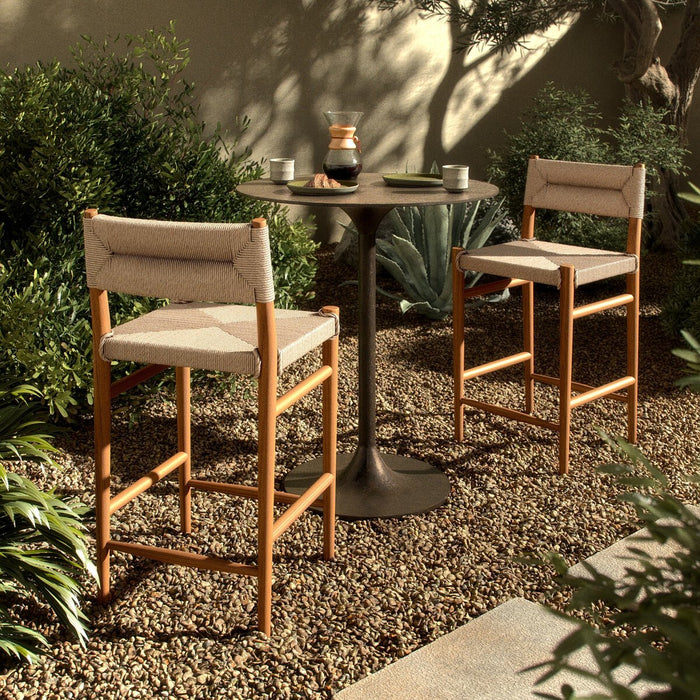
(343, 160)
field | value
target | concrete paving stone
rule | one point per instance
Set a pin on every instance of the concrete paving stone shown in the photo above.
(482, 660)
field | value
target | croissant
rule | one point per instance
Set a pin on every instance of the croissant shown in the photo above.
(321, 180)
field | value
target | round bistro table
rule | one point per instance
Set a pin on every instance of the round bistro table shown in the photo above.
(371, 484)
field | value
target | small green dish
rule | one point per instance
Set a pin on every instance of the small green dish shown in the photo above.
(413, 179)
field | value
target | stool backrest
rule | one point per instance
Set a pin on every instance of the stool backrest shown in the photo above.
(588, 188)
(223, 263)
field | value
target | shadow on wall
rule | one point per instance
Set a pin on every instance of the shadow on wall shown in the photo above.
(283, 62)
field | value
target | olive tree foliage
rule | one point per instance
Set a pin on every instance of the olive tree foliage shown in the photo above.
(669, 85)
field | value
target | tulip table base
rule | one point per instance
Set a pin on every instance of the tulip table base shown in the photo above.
(374, 485)
(370, 484)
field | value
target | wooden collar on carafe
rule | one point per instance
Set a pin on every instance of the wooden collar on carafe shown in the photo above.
(342, 137)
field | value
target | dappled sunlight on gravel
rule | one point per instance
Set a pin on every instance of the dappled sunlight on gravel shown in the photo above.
(395, 584)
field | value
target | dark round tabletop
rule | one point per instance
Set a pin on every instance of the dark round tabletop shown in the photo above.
(372, 192)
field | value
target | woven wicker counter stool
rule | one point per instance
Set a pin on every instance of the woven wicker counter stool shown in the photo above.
(228, 324)
(588, 188)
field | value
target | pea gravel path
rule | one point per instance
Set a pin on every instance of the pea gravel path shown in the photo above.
(395, 584)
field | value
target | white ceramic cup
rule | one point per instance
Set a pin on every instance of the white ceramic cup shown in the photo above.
(281, 170)
(455, 178)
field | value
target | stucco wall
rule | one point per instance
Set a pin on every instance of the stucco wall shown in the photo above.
(283, 62)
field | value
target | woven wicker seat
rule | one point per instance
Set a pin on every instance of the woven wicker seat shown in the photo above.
(604, 190)
(229, 324)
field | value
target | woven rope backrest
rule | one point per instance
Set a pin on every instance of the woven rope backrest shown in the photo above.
(224, 263)
(588, 188)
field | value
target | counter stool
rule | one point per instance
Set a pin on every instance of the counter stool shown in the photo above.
(228, 324)
(605, 190)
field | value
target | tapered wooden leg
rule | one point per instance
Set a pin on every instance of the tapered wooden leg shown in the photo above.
(182, 384)
(566, 336)
(633, 355)
(330, 438)
(266, 493)
(458, 345)
(529, 344)
(102, 381)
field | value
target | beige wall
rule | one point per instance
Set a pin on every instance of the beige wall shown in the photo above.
(283, 62)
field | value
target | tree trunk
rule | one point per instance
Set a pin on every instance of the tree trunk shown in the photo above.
(670, 88)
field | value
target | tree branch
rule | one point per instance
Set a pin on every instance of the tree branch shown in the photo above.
(642, 29)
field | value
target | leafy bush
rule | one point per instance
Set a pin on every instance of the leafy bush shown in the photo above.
(119, 131)
(653, 620)
(692, 359)
(564, 125)
(43, 546)
(652, 623)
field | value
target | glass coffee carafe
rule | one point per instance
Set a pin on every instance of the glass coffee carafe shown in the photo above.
(343, 160)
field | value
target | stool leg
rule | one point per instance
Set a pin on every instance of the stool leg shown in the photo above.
(566, 336)
(103, 417)
(529, 344)
(458, 345)
(330, 439)
(266, 495)
(182, 384)
(632, 355)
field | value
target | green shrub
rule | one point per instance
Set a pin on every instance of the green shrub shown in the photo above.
(681, 309)
(651, 622)
(119, 131)
(564, 125)
(43, 546)
(652, 619)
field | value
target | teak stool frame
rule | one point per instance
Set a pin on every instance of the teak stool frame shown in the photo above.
(565, 187)
(320, 494)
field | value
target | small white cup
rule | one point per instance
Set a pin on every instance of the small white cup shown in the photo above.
(281, 170)
(455, 178)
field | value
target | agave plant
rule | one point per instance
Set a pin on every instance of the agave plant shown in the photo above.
(418, 255)
(414, 244)
(693, 196)
(43, 546)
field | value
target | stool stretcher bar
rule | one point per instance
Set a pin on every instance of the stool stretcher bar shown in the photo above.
(601, 391)
(245, 491)
(496, 365)
(576, 386)
(302, 389)
(183, 558)
(135, 378)
(603, 305)
(511, 413)
(305, 501)
(499, 285)
(145, 482)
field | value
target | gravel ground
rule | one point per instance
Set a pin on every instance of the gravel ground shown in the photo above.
(395, 584)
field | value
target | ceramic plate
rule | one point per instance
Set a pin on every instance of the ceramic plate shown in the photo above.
(299, 187)
(413, 180)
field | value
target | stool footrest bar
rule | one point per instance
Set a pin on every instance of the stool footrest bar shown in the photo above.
(510, 413)
(304, 501)
(244, 491)
(145, 482)
(602, 305)
(496, 365)
(600, 391)
(576, 386)
(182, 558)
(302, 389)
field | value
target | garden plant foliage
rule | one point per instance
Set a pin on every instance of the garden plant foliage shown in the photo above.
(652, 621)
(119, 131)
(43, 545)
(564, 125)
